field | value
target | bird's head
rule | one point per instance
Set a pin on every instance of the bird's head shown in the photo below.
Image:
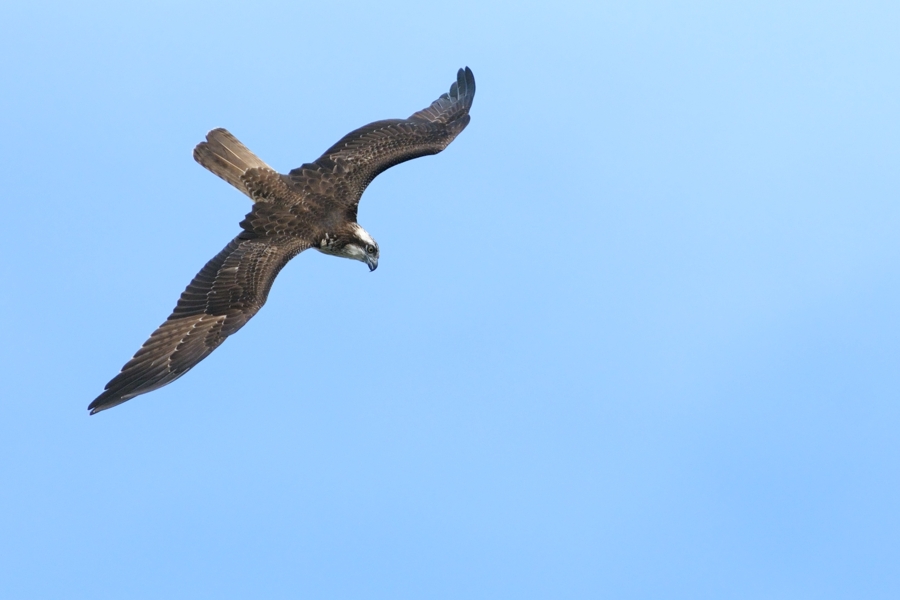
(355, 243)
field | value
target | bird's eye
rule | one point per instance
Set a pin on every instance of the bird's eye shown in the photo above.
(370, 249)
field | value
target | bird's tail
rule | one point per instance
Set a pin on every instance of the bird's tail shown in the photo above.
(227, 157)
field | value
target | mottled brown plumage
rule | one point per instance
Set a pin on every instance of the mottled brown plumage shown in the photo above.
(313, 206)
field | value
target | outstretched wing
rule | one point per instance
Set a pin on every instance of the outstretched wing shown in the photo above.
(224, 295)
(352, 163)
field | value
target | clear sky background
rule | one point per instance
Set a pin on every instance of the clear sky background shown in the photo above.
(634, 334)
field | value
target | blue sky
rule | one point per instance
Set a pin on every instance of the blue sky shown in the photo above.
(634, 334)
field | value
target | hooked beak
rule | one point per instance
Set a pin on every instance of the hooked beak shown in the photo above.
(372, 262)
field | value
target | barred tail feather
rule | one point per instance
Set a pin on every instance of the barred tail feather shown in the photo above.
(227, 157)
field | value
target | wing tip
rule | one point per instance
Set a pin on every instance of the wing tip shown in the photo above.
(450, 106)
(465, 84)
(103, 402)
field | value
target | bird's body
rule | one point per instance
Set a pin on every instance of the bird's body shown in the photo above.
(313, 206)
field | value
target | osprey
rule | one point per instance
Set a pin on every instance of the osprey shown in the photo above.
(313, 206)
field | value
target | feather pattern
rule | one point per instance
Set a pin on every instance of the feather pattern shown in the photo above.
(222, 297)
(357, 158)
(224, 155)
(313, 206)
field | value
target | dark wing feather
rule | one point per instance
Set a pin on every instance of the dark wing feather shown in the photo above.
(224, 295)
(354, 161)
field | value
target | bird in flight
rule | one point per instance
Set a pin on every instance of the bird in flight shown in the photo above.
(313, 206)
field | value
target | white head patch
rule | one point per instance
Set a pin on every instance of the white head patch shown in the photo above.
(363, 234)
